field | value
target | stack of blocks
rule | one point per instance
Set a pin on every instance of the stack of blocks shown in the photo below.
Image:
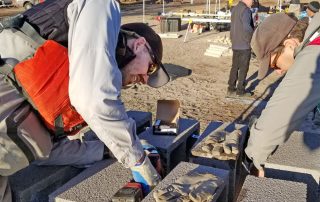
(233, 166)
(298, 160)
(253, 189)
(174, 148)
(182, 169)
(216, 50)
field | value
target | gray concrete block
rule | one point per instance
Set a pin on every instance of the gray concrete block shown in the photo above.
(182, 169)
(234, 166)
(267, 189)
(97, 183)
(143, 119)
(298, 160)
(35, 183)
(88, 172)
(174, 149)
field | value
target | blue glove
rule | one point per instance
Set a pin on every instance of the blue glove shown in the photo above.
(145, 174)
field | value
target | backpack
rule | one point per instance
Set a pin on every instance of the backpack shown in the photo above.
(48, 96)
(44, 80)
(48, 20)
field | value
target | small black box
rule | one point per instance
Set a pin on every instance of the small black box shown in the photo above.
(167, 117)
(170, 24)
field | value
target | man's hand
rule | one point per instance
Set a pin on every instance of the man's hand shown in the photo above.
(257, 172)
(250, 167)
(145, 174)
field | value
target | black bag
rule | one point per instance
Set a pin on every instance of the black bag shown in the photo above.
(50, 20)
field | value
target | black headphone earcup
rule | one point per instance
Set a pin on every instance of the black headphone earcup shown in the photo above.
(124, 54)
(121, 45)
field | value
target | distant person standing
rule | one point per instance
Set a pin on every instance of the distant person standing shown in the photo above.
(312, 8)
(240, 33)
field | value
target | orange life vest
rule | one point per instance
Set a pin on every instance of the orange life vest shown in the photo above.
(45, 79)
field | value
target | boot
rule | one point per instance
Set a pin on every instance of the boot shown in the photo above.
(231, 93)
(244, 94)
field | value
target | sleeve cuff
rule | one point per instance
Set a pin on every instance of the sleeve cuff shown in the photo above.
(133, 154)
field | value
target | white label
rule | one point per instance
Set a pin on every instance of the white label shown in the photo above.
(314, 36)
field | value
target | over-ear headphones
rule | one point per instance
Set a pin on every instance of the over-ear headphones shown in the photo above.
(124, 54)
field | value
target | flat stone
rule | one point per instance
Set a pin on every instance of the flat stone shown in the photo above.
(182, 169)
(218, 126)
(267, 189)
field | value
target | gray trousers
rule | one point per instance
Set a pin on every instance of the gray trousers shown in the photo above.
(82, 151)
(295, 97)
(239, 70)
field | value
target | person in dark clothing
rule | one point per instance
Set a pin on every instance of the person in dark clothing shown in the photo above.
(240, 33)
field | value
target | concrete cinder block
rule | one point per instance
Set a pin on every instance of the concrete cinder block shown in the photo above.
(233, 166)
(97, 183)
(35, 183)
(182, 169)
(268, 189)
(298, 160)
(88, 172)
(143, 119)
(174, 149)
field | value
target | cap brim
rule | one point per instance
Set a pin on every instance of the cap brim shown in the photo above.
(264, 67)
(159, 78)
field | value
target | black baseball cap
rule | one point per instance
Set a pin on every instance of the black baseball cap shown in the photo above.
(161, 76)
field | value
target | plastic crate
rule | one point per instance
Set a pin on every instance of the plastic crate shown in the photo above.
(170, 24)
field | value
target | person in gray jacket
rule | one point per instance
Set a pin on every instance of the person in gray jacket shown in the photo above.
(240, 33)
(297, 94)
